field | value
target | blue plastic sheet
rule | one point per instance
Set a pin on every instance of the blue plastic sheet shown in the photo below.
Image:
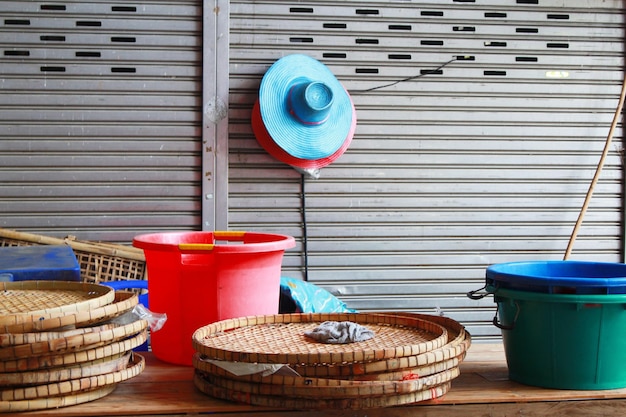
(298, 296)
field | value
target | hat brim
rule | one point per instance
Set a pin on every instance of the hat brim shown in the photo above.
(303, 141)
(266, 141)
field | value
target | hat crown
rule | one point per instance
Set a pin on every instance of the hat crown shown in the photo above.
(310, 102)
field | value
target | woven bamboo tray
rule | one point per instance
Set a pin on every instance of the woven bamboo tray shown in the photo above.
(73, 343)
(317, 388)
(135, 366)
(73, 358)
(47, 376)
(99, 262)
(383, 371)
(211, 368)
(16, 339)
(280, 339)
(356, 403)
(206, 366)
(123, 302)
(56, 402)
(21, 300)
(438, 360)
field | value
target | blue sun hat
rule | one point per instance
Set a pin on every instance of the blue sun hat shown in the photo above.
(305, 109)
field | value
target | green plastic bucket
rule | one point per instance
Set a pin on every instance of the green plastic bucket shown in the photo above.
(563, 341)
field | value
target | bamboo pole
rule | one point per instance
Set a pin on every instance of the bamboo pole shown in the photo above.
(128, 252)
(596, 177)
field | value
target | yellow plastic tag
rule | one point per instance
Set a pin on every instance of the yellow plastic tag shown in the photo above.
(225, 234)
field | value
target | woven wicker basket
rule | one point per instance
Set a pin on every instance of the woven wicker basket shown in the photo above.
(99, 262)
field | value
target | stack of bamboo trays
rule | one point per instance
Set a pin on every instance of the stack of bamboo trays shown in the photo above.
(65, 343)
(411, 358)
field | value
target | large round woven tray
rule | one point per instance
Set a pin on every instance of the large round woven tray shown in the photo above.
(123, 301)
(456, 333)
(134, 368)
(438, 360)
(281, 339)
(355, 403)
(73, 343)
(73, 358)
(21, 300)
(55, 402)
(47, 376)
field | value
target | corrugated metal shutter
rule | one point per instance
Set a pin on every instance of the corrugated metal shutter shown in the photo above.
(486, 159)
(100, 117)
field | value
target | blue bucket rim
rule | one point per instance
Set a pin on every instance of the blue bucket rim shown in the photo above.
(548, 274)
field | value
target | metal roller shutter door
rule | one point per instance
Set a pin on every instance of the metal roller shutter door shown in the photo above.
(100, 119)
(485, 159)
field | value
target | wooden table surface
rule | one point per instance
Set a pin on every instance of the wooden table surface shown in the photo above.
(483, 389)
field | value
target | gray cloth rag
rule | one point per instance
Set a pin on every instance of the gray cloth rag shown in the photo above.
(340, 332)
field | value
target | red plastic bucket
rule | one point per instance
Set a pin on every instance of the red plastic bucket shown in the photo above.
(197, 281)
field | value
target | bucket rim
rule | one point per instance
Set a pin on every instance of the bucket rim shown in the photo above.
(249, 242)
(554, 273)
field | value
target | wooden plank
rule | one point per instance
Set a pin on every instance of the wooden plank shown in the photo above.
(482, 389)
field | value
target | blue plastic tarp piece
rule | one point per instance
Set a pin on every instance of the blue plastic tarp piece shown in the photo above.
(297, 296)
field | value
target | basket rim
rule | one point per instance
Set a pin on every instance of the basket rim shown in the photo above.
(16, 339)
(75, 343)
(56, 402)
(210, 366)
(35, 292)
(123, 301)
(134, 367)
(46, 376)
(357, 403)
(317, 388)
(74, 358)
